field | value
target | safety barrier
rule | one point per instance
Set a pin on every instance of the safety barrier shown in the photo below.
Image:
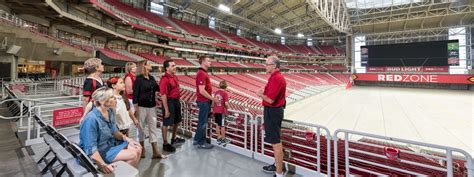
(40, 100)
(307, 147)
(383, 159)
(239, 128)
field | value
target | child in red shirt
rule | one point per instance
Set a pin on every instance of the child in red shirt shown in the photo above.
(220, 109)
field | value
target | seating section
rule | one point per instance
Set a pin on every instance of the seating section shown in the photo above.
(152, 57)
(342, 77)
(280, 48)
(303, 49)
(237, 39)
(254, 65)
(124, 11)
(129, 54)
(63, 155)
(182, 62)
(328, 49)
(115, 55)
(30, 27)
(313, 67)
(140, 13)
(243, 87)
(198, 29)
(225, 64)
(335, 67)
(260, 44)
(377, 147)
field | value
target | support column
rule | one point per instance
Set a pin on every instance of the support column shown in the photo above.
(349, 51)
(52, 30)
(61, 69)
(14, 66)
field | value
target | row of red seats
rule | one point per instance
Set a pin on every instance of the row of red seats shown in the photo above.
(328, 49)
(139, 13)
(392, 163)
(237, 38)
(304, 49)
(280, 48)
(342, 77)
(338, 67)
(198, 29)
(153, 57)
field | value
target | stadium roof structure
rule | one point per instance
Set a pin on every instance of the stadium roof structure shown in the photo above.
(326, 18)
(379, 16)
(310, 18)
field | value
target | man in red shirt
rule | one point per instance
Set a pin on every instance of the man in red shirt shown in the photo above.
(273, 101)
(169, 91)
(220, 109)
(204, 100)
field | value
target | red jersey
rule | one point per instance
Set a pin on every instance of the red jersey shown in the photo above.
(132, 77)
(202, 78)
(169, 86)
(275, 90)
(221, 98)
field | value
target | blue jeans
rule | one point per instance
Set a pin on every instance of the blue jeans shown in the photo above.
(204, 109)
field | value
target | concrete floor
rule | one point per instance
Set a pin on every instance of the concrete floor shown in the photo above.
(15, 159)
(443, 117)
(190, 161)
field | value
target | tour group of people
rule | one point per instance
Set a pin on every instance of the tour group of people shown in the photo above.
(121, 112)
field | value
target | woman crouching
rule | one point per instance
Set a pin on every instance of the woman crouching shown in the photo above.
(100, 138)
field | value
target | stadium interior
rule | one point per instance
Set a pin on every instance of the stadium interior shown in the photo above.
(329, 49)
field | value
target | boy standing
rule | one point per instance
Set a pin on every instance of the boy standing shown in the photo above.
(220, 109)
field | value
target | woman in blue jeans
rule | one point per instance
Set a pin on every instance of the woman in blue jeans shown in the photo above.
(100, 138)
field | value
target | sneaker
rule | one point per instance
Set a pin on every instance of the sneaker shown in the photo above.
(168, 148)
(177, 141)
(226, 141)
(205, 146)
(195, 143)
(270, 169)
(219, 141)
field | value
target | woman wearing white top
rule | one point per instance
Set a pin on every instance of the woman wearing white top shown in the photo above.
(124, 115)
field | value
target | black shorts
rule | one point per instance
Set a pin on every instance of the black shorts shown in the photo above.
(219, 118)
(272, 118)
(174, 107)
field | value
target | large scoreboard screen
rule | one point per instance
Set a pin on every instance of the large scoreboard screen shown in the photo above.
(435, 53)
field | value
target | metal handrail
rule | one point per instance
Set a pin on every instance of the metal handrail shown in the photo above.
(317, 141)
(449, 153)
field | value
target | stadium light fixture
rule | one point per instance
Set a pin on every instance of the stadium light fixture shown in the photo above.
(300, 35)
(277, 30)
(224, 8)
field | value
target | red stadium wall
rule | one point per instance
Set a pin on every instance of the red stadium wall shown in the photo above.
(416, 78)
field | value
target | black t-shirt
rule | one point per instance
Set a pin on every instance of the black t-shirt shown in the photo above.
(144, 91)
(90, 85)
